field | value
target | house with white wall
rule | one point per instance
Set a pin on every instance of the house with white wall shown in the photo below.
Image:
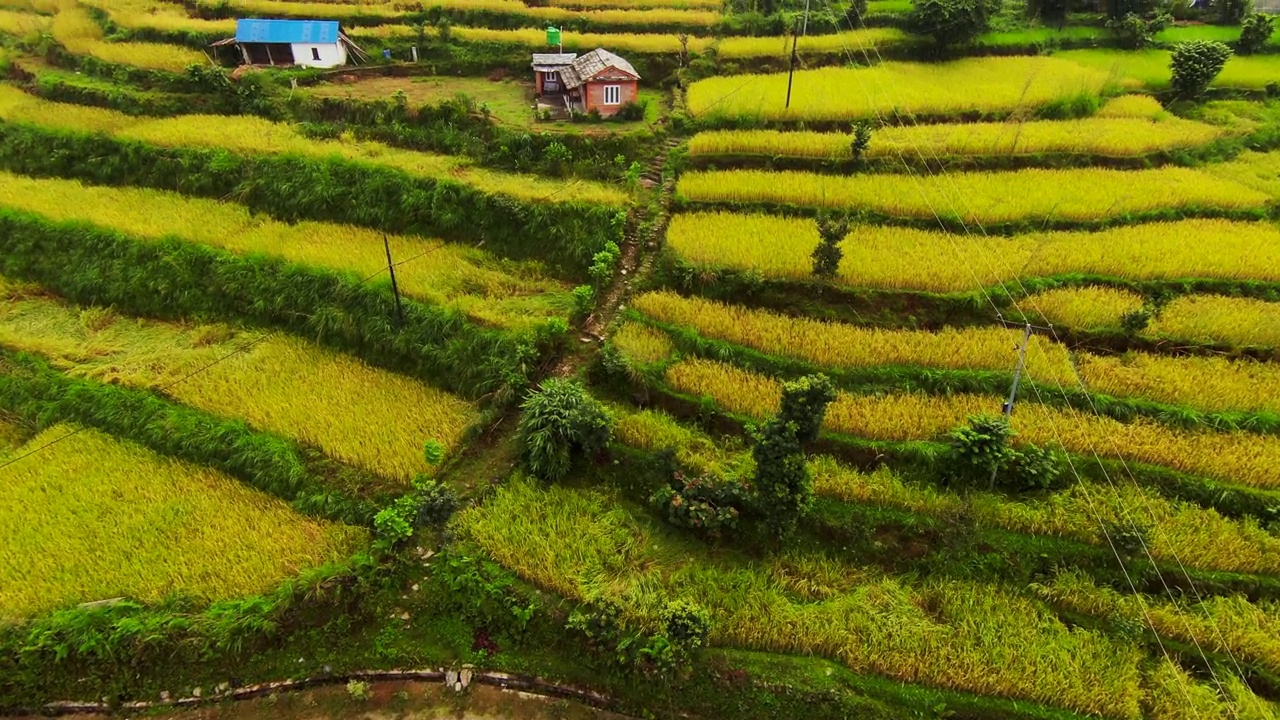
(304, 43)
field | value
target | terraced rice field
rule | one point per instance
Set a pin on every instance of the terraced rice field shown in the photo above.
(391, 12)
(489, 290)
(79, 33)
(1241, 458)
(901, 258)
(95, 518)
(1076, 195)
(253, 135)
(365, 416)
(982, 85)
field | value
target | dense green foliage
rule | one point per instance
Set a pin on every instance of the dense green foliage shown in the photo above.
(782, 480)
(827, 255)
(1195, 64)
(1255, 31)
(951, 22)
(558, 422)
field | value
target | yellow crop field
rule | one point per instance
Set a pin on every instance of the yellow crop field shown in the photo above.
(503, 294)
(21, 24)
(1076, 194)
(1213, 318)
(77, 31)
(643, 344)
(988, 85)
(1236, 457)
(358, 414)
(1259, 171)
(1109, 137)
(903, 258)
(972, 637)
(733, 48)
(579, 41)
(394, 11)
(1084, 308)
(1205, 383)
(637, 4)
(254, 135)
(1133, 106)
(840, 345)
(93, 518)
(153, 15)
(1218, 624)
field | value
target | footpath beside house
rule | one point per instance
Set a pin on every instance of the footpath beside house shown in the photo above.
(598, 80)
(305, 43)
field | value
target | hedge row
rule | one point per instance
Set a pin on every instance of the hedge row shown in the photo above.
(40, 396)
(292, 188)
(177, 280)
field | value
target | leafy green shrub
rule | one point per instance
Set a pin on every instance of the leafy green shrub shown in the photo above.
(981, 450)
(604, 263)
(861, 140)
(703, 504)
(782, 480)
(1134, 31)
(951, 22)
(485, 592)
(855, 13)
(433, 452)
(584, 300)
(1195, 64)
(1255, 31)
(686, 625)
(395, 523)
(557, 422)
(1129, 539)
(359, 690)
(1135, 321)
(435, 501)
(631, 111)
(804, 403)
(827, 255)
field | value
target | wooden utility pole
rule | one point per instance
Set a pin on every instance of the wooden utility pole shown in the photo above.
(395, 289)
(1013, 391)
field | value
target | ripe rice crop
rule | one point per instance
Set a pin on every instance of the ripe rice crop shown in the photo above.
(1085, 308)
(93, 518)
(1178, 531)
(1219, 624)
(637, 4)
(901, 258)
(1260, 171)
(393, 11)
(732, 48)
(1206, 383)
(361, 415)
(1236, 457)
(80, 34)
(1133, 106)
(1080, 195)
(987, 85)
(163, 17)
(537, 38)
(1149, 69)
(505, 294)
(840, 345)
(971, 637)
(1110, 137)
(21, 24)
(253, 135)
(641, 343)
(1213, 318)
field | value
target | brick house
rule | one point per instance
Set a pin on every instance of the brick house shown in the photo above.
(598, 80)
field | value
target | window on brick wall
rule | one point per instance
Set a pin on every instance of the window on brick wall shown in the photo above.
(612, 94)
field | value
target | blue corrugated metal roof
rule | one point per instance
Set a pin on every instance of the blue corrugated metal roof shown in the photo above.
(287, 31)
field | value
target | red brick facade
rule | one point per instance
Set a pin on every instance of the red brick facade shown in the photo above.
(594, 98)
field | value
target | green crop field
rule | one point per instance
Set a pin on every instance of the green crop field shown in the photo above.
(938, 379)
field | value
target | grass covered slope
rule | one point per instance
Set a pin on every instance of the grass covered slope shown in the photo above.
(92, 518)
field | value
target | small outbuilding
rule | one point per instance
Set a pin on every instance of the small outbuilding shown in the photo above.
(598, 80)
(305, 43)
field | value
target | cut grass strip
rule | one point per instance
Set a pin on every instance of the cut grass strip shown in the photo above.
(91, 518)
(1039, 195)
(1235, 457)
(367, 417)
(502, 293)
(899, 258)
(1095, 136)
(839, 345)
(251, 135)
(989, 85)
(1149, 69)
(973, 637)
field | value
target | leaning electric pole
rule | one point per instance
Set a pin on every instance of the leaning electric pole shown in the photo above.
(1013, 390)
(795, 39)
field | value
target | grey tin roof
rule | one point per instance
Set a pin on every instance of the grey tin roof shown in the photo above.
(591, 64)
(541, 60)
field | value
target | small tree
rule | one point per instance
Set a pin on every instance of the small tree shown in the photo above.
(1134, 31)
(557, 422)
(1195, 64)
(1255, 31)
(827, 255)
(951, 22)
(1232, 12)
(861, 140)
(782, 475)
